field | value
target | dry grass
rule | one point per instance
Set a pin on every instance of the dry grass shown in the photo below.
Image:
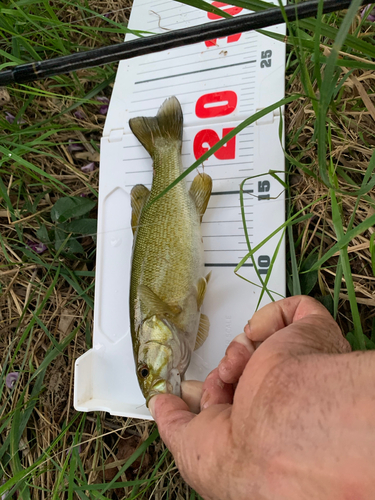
(353, 139)
(61, 328)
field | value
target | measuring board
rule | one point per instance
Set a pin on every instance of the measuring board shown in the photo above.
(219, 83)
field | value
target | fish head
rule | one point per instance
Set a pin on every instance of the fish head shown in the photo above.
(159, 358)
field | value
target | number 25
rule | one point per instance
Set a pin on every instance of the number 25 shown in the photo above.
(266, 60)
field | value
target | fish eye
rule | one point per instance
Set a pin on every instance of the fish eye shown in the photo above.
(144, 372)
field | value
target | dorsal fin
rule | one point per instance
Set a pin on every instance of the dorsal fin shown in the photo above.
(167, 124)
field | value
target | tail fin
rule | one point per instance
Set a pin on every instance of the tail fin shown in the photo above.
(167, 124)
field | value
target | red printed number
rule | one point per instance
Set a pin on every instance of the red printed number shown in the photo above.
(205, 139)
(216, 104)
(231, 10)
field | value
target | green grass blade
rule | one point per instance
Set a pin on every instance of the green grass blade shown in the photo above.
(336, 219)
(142, 448)
(328, 87)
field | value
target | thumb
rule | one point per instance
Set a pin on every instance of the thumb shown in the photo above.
(172, 415)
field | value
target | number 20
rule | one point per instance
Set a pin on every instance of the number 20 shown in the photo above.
(266, 60)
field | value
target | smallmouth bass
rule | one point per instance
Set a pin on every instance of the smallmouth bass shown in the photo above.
(168, 282)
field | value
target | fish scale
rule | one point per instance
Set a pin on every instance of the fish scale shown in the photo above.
(167, 220)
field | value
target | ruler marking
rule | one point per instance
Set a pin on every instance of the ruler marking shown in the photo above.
(220, 193)
(222, 221)
(193, 72)
(137, 146)
(139, 172)
(171, 9)
(221, 250)
(223, 236)
(195, 81)
(136, 159)
(230, 206)
(186, 13)
(171, 26)
(228, 264)
(165, 68)
(227, 165)
(228, 178)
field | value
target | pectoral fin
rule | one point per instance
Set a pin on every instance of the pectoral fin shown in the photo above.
(203, 329)
(200, 191)
(138, 196)
(152, 304)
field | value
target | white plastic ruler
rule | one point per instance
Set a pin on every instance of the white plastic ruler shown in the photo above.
(219, 84)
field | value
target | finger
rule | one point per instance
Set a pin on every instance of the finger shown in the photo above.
(193, 439)
(298, 325)
(277, 315)
(215, 391)
(191, 393)
(236, 358)
(172, 415)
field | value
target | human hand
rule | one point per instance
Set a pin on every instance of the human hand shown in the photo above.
(277, 414)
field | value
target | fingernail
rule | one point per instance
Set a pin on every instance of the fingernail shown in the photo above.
(205, 400)
(220, 383)
(243, 339)
(225, 365)
(151, 407)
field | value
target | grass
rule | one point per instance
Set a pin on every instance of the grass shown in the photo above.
(47, 450)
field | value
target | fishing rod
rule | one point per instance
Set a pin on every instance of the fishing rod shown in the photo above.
(38, 70)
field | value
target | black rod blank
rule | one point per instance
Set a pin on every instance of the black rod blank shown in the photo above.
(147, 45)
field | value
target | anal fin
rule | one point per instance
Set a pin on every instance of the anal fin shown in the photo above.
(203, 329)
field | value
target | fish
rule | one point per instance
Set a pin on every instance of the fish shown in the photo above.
(168, 281)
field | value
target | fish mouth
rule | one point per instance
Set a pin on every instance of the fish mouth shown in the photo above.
(159, 387)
